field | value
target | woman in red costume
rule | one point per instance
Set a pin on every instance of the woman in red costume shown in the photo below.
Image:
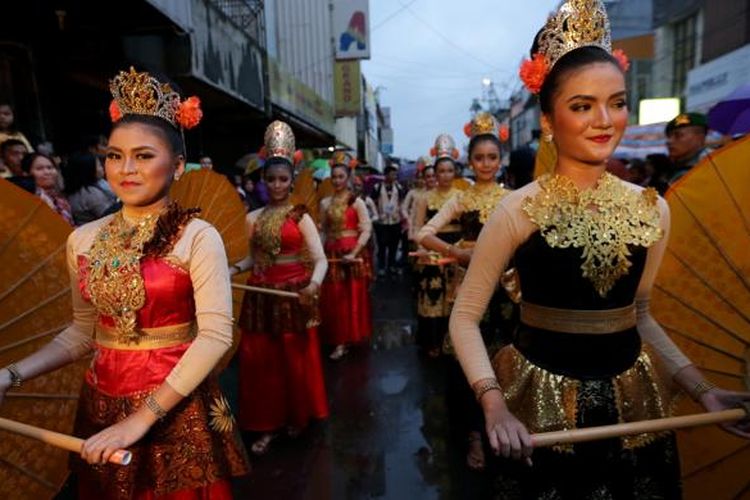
(152, 300)
(345, 299)
(281, 374)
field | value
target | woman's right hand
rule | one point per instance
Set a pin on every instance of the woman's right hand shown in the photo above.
(507, 435)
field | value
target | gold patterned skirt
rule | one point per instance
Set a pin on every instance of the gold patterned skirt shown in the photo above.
(195, 447)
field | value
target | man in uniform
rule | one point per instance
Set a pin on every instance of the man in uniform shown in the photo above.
(686, 142)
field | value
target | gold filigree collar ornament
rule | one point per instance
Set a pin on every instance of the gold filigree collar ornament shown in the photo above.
(445, 147)
(139, 93)
(115, 283)
(603, 222)
(278, 142)
(578, 23)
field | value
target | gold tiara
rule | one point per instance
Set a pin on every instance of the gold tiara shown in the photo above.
(279, 141)
(578, 23)
(482, 124)
(139, 93)
(343, 158)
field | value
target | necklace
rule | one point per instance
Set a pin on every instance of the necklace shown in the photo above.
(603, 221)
(115, 283)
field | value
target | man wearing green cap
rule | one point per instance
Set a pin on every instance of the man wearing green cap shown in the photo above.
(686, 142)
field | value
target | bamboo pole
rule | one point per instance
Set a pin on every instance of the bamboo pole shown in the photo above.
(429, 258)
(70, 443)
(547, 439)
(356, 260)
(269, 291)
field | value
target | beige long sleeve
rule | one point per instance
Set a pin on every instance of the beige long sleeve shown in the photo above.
(315, 247)
(502, 234)
(77, 338)
(449, 212)
(204, 249)
(649, 330)
(364, 224)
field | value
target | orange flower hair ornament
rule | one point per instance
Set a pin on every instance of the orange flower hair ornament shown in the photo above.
(189, 113)
(533, 72)
(467, 130)
(622, 59)
(504, 133)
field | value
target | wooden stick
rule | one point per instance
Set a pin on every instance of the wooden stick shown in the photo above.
(269, 291)
(70, 443)
(546, 439)
(346, 261)
(440, 261)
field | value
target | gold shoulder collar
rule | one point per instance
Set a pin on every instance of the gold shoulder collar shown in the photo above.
(602, 221)
(483, 201)
(436, 199)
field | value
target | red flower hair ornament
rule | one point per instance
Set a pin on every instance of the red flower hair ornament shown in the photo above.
(189, 113)
(622, 59)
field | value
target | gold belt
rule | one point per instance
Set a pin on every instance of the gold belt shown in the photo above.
(578, 320)
(346, 233)
(287, 259)
(450, 228)
(150, 338)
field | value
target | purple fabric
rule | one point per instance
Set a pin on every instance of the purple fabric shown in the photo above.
(732, 115)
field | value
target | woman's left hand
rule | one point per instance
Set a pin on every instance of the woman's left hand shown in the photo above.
(462, 255)
(309, 295)
(720, 399)
(99, 448)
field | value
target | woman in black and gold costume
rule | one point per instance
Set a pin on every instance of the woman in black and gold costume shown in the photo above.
(471, 208)
(435, 279)
(587, 247)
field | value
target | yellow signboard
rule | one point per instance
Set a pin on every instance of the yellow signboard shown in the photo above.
(347, 88)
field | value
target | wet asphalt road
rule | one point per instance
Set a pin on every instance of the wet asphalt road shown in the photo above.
(388, 435)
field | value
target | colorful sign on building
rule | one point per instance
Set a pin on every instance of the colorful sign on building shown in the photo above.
(351, 29)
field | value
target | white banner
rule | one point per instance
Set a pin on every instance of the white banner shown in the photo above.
(351, 29)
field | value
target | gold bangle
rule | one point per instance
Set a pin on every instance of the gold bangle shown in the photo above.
(155, 407)
(701, 388)
(485, 385)
(15, 376)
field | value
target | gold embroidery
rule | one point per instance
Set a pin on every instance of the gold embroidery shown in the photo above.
(222, 419)
(602, 221)
(115, 283)
(267, 235)
(482, 200)
(336, 212)
(436, 198)
(546, 401)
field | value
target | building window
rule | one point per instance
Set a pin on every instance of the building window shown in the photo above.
(684, 52)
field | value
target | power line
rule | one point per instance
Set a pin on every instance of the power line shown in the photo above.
(394, 14)
(447, 40)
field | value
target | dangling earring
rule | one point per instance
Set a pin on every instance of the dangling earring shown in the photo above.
(548, 137)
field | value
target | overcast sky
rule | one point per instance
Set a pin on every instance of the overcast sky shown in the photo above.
(429, 58)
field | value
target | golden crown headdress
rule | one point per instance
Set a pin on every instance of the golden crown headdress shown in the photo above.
(279, 142)
(445, 147)
(482, 124)
(139, 93)
(578, 23)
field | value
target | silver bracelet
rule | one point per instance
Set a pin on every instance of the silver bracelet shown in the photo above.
(155, 407)
(15, 377)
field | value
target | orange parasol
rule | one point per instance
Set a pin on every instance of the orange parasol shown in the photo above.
(34, 305)
(305, 193)
(220, 205)
(702, 299)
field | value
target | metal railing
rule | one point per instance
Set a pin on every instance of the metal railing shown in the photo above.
(248, 15)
